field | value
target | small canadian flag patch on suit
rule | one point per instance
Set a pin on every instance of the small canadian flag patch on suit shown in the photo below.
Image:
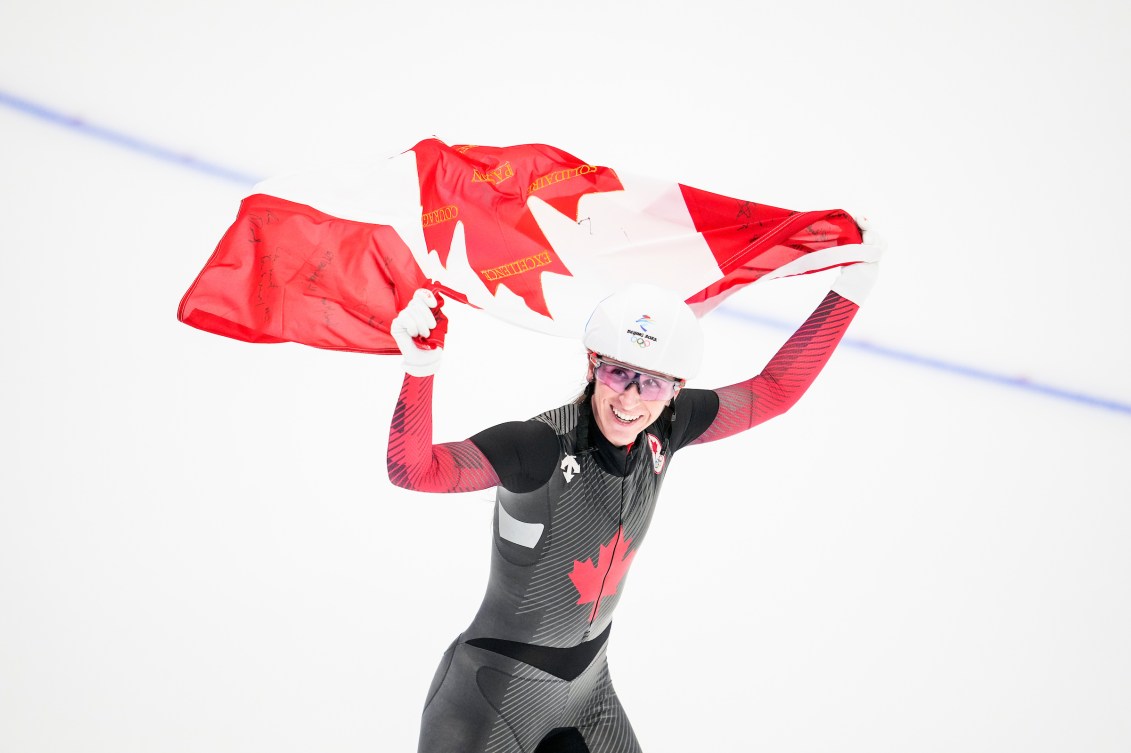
(657, 448)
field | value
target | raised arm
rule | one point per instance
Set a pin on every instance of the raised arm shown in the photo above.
(795, 366)
(414, 462)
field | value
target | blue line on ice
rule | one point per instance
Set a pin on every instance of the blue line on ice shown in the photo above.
(188, 161)
(939, 365)
(121, 139)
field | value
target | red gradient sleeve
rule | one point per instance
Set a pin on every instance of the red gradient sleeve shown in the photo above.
(415, 463)
(788, 374)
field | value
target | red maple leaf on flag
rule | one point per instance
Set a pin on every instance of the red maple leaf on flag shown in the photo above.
(595, 582)
(486, 188)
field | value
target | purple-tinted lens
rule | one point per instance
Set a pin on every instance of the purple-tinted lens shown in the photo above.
(650, 386)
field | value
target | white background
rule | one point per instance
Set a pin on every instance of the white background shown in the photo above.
(199, 548)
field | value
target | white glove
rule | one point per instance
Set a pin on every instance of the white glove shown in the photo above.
(856, 280)
(869, 235)
(417, 320)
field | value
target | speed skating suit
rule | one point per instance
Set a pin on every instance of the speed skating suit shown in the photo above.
(529, 674)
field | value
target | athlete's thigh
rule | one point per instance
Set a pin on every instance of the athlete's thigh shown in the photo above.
(603, 723)
(611, 732)
(457, 718)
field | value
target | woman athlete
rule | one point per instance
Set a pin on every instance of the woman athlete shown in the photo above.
(576, 489)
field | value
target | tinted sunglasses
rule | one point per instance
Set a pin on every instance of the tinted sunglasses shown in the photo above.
(621, 376)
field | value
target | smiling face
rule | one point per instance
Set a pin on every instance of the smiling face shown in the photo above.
(621, 416)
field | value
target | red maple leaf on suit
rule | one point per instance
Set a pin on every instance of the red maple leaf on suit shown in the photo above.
(595, 582)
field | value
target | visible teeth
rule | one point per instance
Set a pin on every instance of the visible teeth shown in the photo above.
(627, 419)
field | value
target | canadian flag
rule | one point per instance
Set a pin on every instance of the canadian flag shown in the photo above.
(528, 233)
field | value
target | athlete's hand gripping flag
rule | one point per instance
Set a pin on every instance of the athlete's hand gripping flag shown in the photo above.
(418, 331)
(528, 233)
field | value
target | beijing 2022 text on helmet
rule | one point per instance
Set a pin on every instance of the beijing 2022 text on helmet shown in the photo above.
(647, 327)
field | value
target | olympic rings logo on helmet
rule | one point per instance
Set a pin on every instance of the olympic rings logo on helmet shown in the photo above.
(640, 336)
(655, 324)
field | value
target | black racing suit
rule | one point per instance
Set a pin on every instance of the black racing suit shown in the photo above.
(563, 543)
(529, 674)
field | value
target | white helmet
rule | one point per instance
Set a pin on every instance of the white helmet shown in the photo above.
(647, 327)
